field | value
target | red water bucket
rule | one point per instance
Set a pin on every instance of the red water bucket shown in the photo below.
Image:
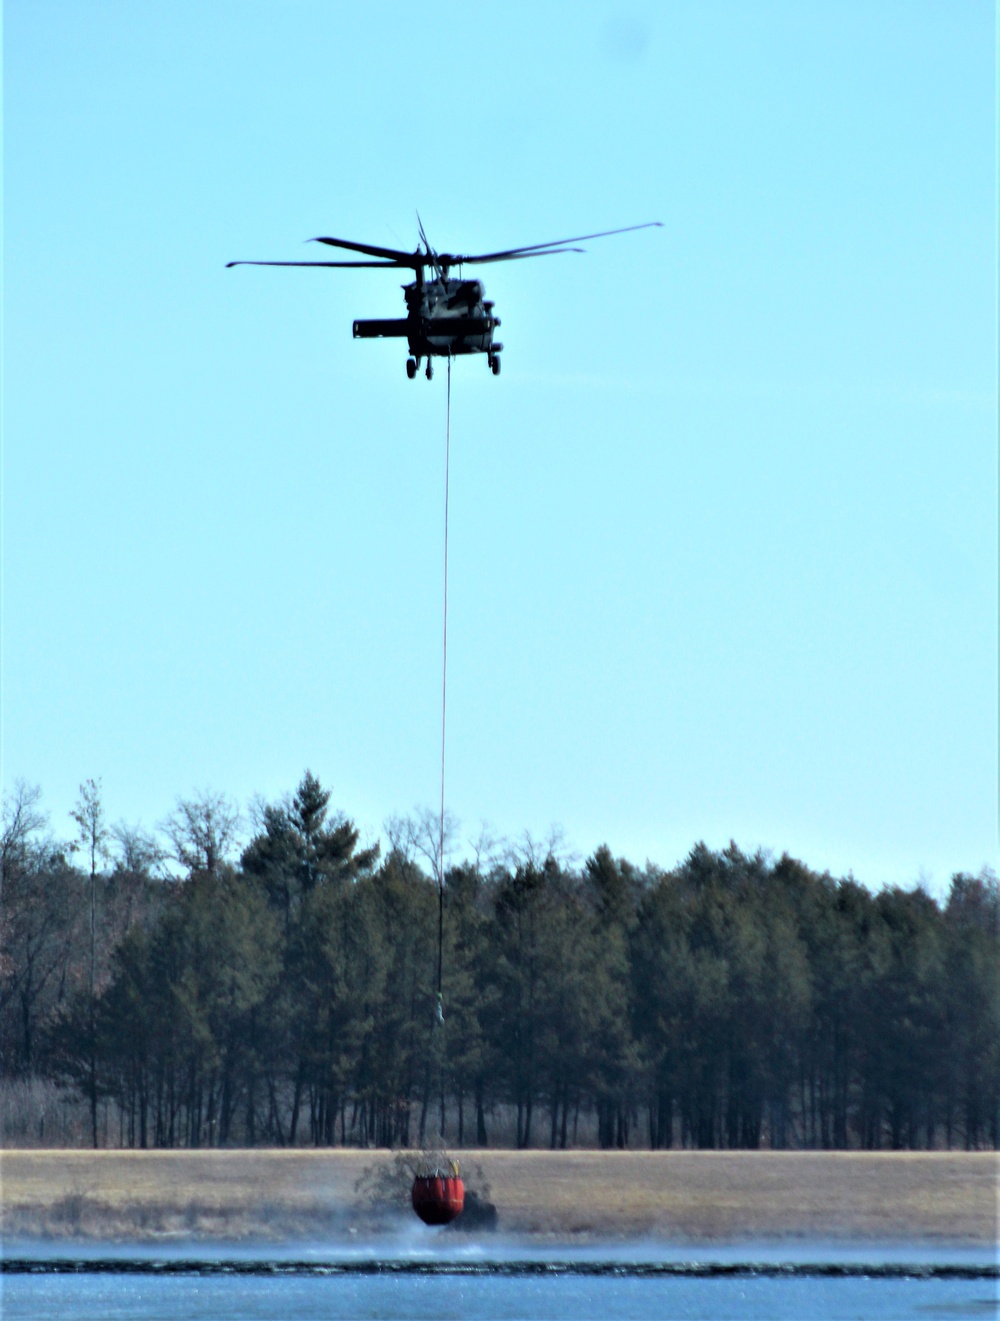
(438, 1198)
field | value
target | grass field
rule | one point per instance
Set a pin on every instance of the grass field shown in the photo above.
(675, 1195)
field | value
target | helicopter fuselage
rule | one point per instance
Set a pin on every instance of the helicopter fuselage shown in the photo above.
(445, 317)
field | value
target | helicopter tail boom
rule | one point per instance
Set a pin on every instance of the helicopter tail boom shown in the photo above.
(452, 327)
(391, 329)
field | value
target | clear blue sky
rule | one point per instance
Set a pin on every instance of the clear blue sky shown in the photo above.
(724, 533)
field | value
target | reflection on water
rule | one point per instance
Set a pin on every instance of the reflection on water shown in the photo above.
(427, 1275)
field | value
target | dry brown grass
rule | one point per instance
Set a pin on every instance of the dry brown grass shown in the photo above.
(679, 1195)
(736, 1194)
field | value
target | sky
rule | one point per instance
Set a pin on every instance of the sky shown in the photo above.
(723, 534)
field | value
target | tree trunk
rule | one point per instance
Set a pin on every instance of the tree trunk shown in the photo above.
(482, 1137)
(296, 1103)
(422, 1129)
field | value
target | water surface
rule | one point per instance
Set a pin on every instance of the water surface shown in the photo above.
(417, 1275)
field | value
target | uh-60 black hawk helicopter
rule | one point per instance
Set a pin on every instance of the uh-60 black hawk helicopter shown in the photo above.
(444, 316)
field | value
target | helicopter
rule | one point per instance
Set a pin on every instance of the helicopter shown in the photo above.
(445, 316)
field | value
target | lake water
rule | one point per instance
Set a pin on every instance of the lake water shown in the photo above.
(497, 1281)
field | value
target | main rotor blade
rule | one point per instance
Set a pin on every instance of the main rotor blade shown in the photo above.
(378, 265)
(557, 243)
(369, 248)
(508, 256)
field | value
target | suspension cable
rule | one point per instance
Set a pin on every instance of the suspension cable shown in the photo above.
(444, 700)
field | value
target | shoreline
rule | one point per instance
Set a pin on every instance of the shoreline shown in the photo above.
(691, 1196)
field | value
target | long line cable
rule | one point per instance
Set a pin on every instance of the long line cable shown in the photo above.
(444, 699)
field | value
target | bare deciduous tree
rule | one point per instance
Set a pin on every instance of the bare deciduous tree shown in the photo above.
(22, 818)
(489, 850)
(43, 922)
(531, 852)
(419, 835)
(204, 831)
(138, 851)
(92, 838)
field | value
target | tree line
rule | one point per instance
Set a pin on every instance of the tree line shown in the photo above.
(285, 993)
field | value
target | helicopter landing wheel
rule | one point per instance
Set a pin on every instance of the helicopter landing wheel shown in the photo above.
(495, 365)
(430, 370)
(411, 368)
